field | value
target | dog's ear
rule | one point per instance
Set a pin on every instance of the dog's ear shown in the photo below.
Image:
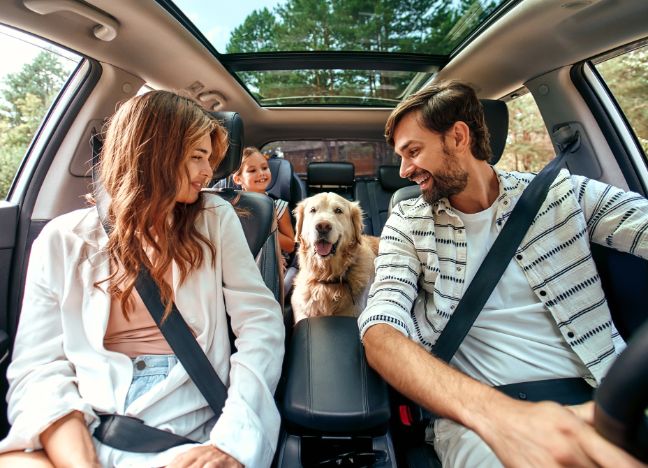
(299, 220)
(356, 219)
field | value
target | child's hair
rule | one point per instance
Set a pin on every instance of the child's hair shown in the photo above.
(247, 152)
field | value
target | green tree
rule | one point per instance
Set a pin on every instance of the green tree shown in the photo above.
(24, 100)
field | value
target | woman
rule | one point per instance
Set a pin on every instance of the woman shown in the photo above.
(86, 343)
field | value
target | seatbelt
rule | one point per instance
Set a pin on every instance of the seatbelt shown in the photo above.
(129, 433)
(500, 254)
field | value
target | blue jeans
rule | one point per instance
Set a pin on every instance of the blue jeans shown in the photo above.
(148, 370)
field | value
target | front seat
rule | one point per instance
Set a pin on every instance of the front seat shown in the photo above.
(256, 211)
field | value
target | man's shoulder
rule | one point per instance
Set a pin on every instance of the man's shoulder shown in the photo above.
(412, 208)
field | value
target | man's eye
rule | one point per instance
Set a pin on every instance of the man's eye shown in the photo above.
(338, 211)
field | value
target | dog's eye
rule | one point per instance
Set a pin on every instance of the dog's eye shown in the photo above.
(313, 209)
(338, 211)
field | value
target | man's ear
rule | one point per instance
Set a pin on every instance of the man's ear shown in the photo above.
(459, 136)
(299, 219)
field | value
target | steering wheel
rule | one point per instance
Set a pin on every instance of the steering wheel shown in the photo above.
(621, 401)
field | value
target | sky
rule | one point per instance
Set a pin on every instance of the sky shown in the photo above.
(19, 49)
(218, 19)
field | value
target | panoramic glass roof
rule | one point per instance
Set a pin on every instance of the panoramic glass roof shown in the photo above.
(333, 52)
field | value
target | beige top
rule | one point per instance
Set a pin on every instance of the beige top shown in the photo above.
(138, 334)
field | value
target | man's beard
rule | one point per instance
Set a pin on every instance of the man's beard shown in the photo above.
(451, 180)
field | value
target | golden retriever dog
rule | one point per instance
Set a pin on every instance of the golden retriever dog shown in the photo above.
(336, 261)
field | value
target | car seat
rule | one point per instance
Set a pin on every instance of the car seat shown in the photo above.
(335, 177)
(374, 196)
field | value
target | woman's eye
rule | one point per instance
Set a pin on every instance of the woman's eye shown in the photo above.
(338, 211)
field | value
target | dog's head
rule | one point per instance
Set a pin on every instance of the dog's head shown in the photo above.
(326, 223)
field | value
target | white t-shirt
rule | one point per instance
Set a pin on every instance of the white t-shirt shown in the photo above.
(514, 338)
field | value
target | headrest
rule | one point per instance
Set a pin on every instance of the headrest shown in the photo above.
(390, 179)
(497, 120)
(233, 123)
(330, 173)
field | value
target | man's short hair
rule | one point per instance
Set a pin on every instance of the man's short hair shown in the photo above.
(441, 105)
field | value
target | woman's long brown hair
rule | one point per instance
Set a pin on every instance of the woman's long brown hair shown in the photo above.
(141, 167)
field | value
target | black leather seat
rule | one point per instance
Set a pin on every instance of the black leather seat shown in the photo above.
(255, 211)
(335, 177)
(374, 196)
(285, 184)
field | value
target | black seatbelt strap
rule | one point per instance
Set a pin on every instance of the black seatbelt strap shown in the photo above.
(182, 342)
(499, 256)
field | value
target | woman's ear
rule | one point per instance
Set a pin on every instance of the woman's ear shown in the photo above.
(356, 218)
(299, 219)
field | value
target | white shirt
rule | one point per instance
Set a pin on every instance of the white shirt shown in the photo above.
(60, 364)
(514, 338)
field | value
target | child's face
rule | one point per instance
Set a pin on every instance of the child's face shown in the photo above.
(255, 176)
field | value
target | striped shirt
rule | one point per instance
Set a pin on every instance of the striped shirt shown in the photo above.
(421, 265)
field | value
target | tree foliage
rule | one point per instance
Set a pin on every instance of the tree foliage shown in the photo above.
(411, 26)
(25, 98)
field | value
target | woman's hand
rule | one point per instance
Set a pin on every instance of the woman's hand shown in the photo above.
(206, 456)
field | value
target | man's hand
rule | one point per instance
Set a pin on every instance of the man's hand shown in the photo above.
(549, 435)
(205, 456)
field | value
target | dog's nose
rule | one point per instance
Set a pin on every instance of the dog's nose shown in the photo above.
(323, 227)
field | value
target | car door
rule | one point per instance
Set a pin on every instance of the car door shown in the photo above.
(42, 87)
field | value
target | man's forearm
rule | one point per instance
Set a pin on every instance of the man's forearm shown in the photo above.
(68, 442)
(427, 380)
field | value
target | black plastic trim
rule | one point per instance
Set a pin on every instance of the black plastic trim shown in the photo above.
(342, 60)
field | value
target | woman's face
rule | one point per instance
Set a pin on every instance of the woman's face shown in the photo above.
(199, 170)
(255, 175)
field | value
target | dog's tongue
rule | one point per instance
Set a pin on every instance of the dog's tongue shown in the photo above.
(323, 248)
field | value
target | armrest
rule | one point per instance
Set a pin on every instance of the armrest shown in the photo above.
(330, 387)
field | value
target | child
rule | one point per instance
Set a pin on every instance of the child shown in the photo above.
(254, 176)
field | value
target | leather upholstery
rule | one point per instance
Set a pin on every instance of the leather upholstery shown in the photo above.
(335, 177)
(234, 125)
(330, 387)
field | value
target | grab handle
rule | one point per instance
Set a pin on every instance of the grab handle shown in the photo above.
(106, 28)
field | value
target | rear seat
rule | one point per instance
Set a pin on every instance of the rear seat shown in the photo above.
(374, 196)
(335, 177)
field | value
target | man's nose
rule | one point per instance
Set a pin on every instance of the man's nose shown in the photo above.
(406, 168)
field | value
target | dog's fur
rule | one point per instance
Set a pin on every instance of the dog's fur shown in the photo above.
(336, 261)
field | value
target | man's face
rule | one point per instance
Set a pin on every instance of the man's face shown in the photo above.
(426, 160)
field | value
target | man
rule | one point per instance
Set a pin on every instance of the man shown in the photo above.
(546, 319)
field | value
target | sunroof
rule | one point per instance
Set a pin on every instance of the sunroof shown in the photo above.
(248, 35)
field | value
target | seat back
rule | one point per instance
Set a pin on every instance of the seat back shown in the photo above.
(285, 184)
(255, 211)
(374, 196)
(335, 177)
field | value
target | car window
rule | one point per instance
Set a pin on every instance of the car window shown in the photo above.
(626, 76)
(32, 74)
(528, 146)
(366, 156)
